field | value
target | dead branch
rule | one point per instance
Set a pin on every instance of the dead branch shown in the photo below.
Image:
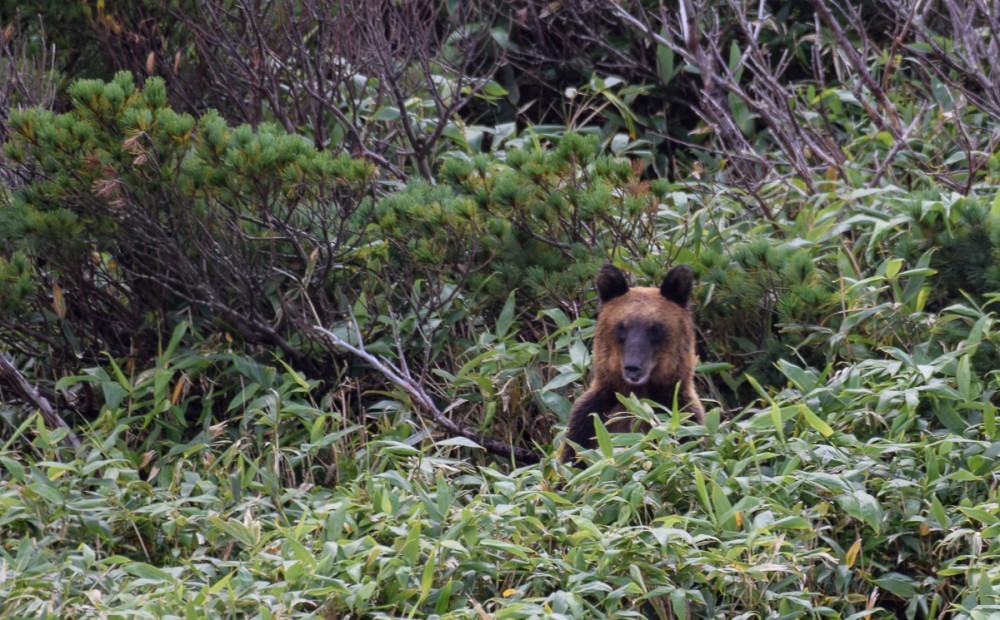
(890, 121)
(27, 392)
(751, 168)
(400, 375)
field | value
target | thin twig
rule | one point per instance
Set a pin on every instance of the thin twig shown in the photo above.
(898, 143)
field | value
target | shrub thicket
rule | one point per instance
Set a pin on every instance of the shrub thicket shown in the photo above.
(162, 268)
(128, 212)
(130, 217)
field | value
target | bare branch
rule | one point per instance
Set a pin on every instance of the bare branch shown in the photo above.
(861, 68)
(27, 392)
(402, 378)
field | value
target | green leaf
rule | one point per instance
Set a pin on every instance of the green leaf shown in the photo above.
(45, 488)
(963, 376)
(147, 571)
(902, 586)
(506, 317)
(986, 595)
(517, 550)
(386, 113)
(461, 442)
(708, 368)
(735, 67)
(944, 412)
(427, 578)
(665, 64)
(175, 339)
(561, 380)
(777, 421)
(723, 508)
(678, 603)
(493, 89)
(712, 420)
(125, 384)
(983, 325)
(790, 523)
(411, 546)
(603, 438)
(815, 422)
(586, 528)
(963, 475)
(16, 469)
(804, 380)
(699, 485)
(456, 132)
(444, 598)
(221, 584)
(864, 507)
(937, 509)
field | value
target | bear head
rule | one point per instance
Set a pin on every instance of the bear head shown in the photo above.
(644, 335)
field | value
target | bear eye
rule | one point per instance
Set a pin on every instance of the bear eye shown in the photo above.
(620, 332)
(656, 333)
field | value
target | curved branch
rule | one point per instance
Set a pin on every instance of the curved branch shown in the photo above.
(402, 378)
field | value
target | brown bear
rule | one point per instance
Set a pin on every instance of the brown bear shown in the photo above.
(644, 345)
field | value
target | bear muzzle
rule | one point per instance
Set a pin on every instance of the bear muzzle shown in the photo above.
(635, 375)
(638, 358)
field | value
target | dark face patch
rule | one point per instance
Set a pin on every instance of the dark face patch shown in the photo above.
(639, 342)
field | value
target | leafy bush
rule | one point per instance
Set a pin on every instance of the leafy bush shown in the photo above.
(164, 272)
(849, 492)
(130, 212)
(133, 214)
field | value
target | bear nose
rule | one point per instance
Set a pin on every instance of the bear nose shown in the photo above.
(632, 371)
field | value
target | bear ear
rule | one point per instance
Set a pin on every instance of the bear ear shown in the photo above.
(677, 285)
(611, 283)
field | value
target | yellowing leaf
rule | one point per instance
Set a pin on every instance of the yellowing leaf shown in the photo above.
(892, 268)
(852, 553)
(815, 422)
(179, 389)
(510, 592)
(58, 303)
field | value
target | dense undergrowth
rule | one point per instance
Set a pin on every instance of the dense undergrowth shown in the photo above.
(433, 186)
(866, 488)
(858, 478)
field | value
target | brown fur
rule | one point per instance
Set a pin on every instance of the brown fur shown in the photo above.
(641, 332)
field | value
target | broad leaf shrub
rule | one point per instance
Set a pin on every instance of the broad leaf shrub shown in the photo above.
(849, 341)
(132, 215)
(861, 490)
(849, 271)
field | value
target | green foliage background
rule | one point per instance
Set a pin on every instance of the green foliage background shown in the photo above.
(163, 266)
